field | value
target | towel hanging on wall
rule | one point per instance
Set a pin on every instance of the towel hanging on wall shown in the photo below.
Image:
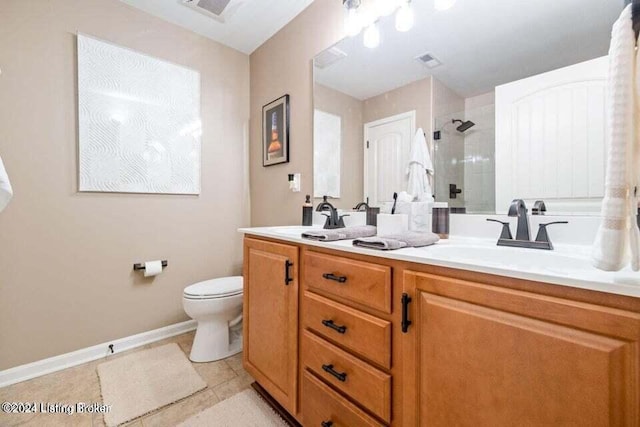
(6, 192)
(420, 166)
(618, 235)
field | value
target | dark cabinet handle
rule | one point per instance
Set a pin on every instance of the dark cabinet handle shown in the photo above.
(287, 276)
(331, 325)
(341, 376)
(326, 424)
(331, 276)
(406, 299)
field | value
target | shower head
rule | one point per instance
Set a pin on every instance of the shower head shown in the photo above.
(464, 126)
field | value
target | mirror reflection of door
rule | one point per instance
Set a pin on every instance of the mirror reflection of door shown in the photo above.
(534, 137)
(387, 144)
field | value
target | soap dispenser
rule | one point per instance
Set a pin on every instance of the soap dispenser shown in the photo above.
(307, 212)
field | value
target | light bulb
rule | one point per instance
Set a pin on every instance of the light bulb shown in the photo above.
(443, 4)
(353, 22)
(367, 16)
(371, 37)
(404, 18)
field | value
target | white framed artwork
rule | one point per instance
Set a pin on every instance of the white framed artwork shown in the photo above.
(139, 122)
(327, 154)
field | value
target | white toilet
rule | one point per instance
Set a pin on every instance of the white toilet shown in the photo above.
(217, 307)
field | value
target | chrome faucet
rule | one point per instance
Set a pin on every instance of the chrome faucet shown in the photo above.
(539, 208)
(372, 213)
(333, 220)
(519, 209)
(361, 205)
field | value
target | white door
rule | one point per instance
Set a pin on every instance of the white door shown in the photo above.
(386, 153)
(551, 139)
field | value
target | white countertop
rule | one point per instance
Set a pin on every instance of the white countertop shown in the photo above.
(566, 265)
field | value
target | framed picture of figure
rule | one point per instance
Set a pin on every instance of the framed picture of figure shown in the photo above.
(275, 132)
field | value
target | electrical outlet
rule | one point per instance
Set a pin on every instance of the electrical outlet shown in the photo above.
(294, 182)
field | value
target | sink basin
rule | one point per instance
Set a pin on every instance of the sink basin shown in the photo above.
(294, 230)
(513, 258)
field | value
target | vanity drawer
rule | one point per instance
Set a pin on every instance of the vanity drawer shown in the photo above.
(320, 404)
(361, 282)
(362, 382)
(366, 335)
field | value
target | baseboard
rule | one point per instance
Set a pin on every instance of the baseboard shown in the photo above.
(88, 354)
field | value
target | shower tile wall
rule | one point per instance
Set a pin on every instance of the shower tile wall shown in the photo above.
(449, 150)
(479, 154)
(449, 158)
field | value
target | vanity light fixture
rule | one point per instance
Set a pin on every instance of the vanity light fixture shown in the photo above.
(366, 13)
(371, 36)
(353, 20)
(404, 17)
(443, 4)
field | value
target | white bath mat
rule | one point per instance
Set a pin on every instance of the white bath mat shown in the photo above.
(245, 409)
(144, 381)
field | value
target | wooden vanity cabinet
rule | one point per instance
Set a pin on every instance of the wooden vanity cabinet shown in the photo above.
(346, 341)
(479, 350)
(270, 318)
(481, 355)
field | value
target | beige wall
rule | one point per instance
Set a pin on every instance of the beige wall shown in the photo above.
(414, 96)
(350, 110)
(446, 101)
(283, 65)
(66, 279)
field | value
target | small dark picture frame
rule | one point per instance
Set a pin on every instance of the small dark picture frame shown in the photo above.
(275, 132)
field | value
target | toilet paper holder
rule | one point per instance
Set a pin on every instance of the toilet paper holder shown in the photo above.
(140, 266)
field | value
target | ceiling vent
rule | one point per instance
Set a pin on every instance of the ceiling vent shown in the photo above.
(428, 60)
(220, 10)
(329, 57)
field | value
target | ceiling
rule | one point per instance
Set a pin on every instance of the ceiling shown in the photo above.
(481, 44)
(252, 23)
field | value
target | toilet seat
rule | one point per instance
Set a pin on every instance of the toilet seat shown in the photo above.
(215, 288)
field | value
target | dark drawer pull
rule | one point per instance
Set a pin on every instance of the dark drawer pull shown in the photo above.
(338, 329)
(331, 276)
(326, 424)
(287, 273)
(341, 376)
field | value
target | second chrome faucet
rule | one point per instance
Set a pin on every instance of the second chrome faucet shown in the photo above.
(334, 220)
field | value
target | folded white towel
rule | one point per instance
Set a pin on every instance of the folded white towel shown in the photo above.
(420, 166)
(6, 192)
(618, 229)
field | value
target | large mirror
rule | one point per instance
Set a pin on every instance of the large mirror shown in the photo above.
(509, 97)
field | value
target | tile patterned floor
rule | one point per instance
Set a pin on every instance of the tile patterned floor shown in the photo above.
(224, 378)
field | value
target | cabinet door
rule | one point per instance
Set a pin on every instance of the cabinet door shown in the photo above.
(271, 318)
(478, 355)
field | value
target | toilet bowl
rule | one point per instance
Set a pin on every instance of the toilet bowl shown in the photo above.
(217, 307)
